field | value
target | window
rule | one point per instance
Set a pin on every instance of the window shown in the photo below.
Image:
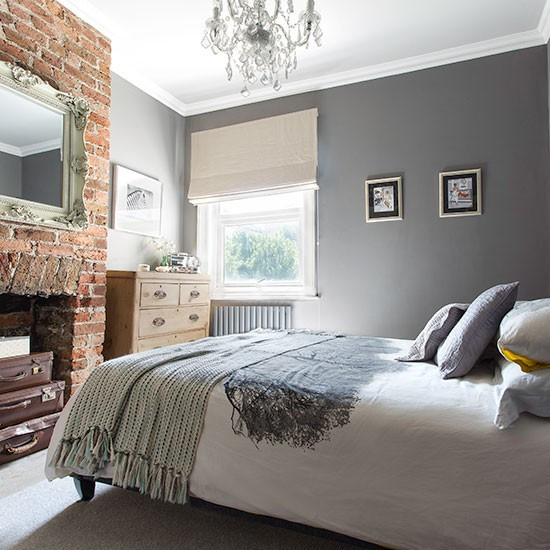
(263, 246)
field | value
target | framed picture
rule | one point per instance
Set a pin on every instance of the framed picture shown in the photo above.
(460, 193)
(137, 201)
(384, 199)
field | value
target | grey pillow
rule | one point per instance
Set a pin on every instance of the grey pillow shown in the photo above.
(435, 331)
(472, 334)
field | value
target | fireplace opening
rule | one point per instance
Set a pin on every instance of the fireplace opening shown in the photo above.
(49, 322)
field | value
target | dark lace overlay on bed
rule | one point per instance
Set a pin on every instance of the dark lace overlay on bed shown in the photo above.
(299, 397)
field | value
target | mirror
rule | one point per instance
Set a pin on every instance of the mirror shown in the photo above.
(43, 163)
(31, 155)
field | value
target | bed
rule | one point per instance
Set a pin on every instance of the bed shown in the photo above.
(414, 463)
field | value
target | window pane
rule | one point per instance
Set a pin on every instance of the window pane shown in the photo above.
(281, 201)
(267, 251)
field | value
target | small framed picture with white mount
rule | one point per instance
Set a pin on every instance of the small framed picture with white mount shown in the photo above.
(384, 199)
(460, 193)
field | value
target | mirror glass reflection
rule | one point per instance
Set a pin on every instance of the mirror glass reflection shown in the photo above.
(31, 145)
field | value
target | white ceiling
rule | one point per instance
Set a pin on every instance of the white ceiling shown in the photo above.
(156, 45)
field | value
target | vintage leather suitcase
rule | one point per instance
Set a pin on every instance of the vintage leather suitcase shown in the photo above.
(18, 406)
(25, 371)
(26, 438)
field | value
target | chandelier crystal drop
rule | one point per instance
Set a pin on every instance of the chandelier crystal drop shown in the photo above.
(260, 42)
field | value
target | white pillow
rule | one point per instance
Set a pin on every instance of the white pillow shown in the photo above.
(524, 335)
(521, 392)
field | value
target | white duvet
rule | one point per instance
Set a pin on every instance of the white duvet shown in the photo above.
(420, 466)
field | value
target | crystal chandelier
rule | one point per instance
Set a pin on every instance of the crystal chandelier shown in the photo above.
(261, 43)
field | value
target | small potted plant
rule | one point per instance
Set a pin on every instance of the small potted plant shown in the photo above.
(166, 248)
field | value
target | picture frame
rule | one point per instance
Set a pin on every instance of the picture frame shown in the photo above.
(384, 199)
(460, 193)
(137, 202)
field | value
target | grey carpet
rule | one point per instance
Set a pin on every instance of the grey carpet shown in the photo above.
(49, 516)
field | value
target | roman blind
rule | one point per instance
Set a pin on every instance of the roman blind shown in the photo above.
(263, 156)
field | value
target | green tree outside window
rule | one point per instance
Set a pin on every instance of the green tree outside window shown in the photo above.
(255, 253)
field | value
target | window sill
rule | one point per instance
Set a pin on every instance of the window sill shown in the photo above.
(264, 298)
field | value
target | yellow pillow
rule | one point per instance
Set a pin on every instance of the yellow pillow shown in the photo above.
(526, 364)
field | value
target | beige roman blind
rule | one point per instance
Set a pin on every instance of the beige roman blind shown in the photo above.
(263, 156)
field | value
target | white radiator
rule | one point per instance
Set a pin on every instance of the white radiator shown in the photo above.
(239, 319)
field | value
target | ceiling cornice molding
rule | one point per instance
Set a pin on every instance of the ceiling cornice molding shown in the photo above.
(41, 147)
(86, 11)
(444, 57)
(544, 23)
(32, 149)
(146, 85)
(10, 149)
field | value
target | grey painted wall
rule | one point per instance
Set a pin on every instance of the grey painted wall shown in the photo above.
(11, 167)
(148, 137)
(35, 177)
(42, 178)
(387, 278)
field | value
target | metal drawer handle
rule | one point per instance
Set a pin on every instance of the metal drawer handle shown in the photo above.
(15, 378)
(159, 321)
(20, 449)
(193, 317)
(160, 294)
(20, 405)
(195, 294)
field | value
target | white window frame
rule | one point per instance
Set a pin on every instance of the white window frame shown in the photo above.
(210, 249)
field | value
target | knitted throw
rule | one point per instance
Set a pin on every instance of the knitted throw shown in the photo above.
(143, 413)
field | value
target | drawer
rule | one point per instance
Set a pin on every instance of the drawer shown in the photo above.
(153, 322)
(145, 344)
(194, 294)
(159, 294)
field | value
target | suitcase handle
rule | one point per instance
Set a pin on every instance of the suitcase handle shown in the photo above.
(20, 405)
(20, 449)
(15, 378)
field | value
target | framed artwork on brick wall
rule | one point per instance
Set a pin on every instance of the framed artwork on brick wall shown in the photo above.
(384, 200)
(460, 193)
(137, 201)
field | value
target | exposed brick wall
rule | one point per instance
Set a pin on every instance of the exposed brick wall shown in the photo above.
(45, 37)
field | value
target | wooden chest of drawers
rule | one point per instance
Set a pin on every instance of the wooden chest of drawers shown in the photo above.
(147, 310)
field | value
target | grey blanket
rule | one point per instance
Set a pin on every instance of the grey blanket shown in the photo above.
(300, 397)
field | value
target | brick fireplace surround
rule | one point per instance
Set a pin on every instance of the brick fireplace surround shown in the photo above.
(62, 272)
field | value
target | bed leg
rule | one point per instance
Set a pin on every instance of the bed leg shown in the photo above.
(85, 488)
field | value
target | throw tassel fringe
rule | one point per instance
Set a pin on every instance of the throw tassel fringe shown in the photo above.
(94, 450)
(91, 452)
(157, 481)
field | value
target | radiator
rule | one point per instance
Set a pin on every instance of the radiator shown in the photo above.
(239, 319)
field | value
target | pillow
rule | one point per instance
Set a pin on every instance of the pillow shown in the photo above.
(524, 335)
(472, 334)
(435, 331)
(521, 392)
